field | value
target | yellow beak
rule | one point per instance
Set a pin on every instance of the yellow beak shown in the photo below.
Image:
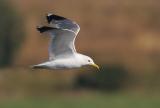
(95, 65)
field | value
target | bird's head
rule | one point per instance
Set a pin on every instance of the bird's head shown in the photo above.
(89, 61)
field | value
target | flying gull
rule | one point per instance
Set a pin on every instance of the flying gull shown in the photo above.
(62, 52)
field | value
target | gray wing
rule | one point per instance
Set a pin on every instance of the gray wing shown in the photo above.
(62, 42)
(61, 22)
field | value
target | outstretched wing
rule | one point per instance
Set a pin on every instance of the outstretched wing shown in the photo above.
(61, 22)
(62, 42)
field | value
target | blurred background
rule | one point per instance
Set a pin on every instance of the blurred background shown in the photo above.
(121, 35)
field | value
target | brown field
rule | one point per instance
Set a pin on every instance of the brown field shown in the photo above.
(124, 32)
(121, 35)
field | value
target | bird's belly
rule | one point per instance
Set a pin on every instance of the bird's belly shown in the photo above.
(65, 64)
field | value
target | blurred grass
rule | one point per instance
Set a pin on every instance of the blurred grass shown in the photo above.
(16, 82)
(89, 100)
(25, 88)
(128, 34)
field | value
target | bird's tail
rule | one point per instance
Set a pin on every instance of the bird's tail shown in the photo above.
(38, 67)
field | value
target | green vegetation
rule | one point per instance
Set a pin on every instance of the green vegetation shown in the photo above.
(10, 33)
(109, 78)
(20, 88)
(95, 100)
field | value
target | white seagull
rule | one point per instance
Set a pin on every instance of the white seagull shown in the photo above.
(62, 52)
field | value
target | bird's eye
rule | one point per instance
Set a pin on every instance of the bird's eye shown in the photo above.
(89, 60)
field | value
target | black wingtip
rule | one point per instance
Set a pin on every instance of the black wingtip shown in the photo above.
(42, 29)
(51, 17)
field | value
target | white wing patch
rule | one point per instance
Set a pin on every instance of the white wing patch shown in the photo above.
(62, 44)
